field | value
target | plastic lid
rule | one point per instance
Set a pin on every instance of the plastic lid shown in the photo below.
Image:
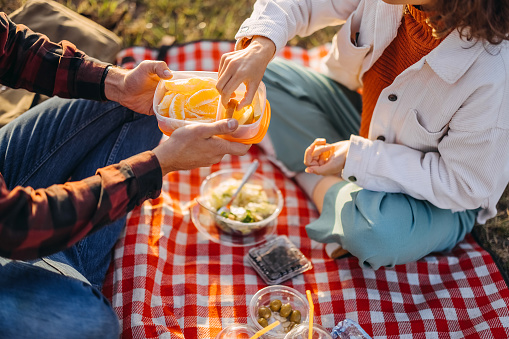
(278, 260)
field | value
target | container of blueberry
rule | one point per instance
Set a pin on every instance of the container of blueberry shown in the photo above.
(278, 260)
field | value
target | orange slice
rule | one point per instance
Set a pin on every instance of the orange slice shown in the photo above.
(207, 110)
(191, 116)
(189, 85)
(202, 97)
(207, 82)
(246, 117)
(238, 114)
(176, 110)
(193, 99)
(164, 105)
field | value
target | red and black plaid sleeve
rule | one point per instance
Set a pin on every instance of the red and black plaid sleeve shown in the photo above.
(36, 223)
(30, 60)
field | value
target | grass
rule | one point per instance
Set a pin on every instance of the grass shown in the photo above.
(494, 235)
(152, 23)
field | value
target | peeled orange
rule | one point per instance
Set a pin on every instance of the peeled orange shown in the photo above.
(176, 110)
(207, 110)
(197, 99)
(202, 97)
(246, 117)
(165, 104)
(189, 85)
(248, 114)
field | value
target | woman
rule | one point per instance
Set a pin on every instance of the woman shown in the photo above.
(428, 155)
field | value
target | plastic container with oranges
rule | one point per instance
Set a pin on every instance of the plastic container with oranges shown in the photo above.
(191, 97)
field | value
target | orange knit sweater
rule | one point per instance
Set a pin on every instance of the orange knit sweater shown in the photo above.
(413, 41)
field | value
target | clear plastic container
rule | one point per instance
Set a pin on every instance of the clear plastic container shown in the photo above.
(206, 224)
(236, 331)
(302, 332)
(247, 134)
(349, 329)
(286, 295)
(235, 227)
(278, 260)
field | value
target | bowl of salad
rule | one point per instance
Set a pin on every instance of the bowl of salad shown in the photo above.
(256, 206)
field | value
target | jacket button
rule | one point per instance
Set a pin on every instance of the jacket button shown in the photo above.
(352, 178)
(381, 138)
(393, 97)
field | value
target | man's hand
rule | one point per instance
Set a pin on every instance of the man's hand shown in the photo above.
(326, 159)
(135, 88)
(244, 66)
(197, 145)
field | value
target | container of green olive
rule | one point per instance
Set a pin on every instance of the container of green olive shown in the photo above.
(278, 302)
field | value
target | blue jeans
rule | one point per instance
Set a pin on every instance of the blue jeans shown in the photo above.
(58, 141)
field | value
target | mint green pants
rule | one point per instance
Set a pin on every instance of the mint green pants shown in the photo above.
(379, 228)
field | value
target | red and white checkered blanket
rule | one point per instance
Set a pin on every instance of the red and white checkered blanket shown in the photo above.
(168, 280)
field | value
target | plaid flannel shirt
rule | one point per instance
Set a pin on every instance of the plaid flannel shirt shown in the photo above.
(35, 223)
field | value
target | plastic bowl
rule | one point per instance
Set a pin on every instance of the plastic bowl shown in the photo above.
(248, 134)
(236, 227)
(236, 331)
(302, 332)
(287, 295)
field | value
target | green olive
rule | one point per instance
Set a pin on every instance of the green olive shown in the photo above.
(295, 317)
(275, 305)
(285, 310)
(264, 312)
(263, 322)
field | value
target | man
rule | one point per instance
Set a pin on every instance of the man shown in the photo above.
(58, 217)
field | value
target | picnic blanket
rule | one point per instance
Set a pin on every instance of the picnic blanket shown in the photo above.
(168, 280)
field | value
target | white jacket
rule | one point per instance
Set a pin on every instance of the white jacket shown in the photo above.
(447, 132)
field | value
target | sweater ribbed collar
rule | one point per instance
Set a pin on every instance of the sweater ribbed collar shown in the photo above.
(419, 33)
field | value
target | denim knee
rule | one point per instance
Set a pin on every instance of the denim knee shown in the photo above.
(35, 303)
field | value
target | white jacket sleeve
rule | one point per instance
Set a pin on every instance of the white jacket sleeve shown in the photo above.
(281, 20)
(469, 168)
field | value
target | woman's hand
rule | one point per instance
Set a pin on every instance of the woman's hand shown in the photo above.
(135, 88)
(244, 66)
(326, 159)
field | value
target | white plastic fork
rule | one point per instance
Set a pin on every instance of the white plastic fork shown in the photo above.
(252, 168)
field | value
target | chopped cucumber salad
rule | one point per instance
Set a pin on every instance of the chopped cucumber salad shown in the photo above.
(250, 205)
